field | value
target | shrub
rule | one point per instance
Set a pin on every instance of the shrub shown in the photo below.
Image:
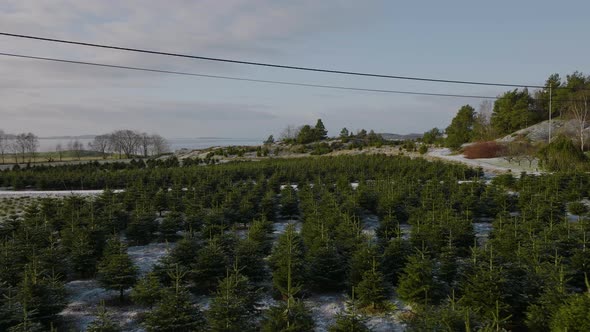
(489, 149)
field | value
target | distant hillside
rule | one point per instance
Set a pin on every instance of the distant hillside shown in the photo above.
(398, 137)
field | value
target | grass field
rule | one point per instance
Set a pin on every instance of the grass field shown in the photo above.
(47, 157)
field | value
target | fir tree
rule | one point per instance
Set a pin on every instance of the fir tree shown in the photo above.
(234, 306)
(171, 224)
(350, 320)
(141, 229)
(160, 201)
(371, 290)
(574, 315)
(116, 270)
(210, 266)
(103, 321)
(287, 261)
(326, 267)
(418, 284)
(288, 316)
(250, 257)
(147, 291)
(174, 312)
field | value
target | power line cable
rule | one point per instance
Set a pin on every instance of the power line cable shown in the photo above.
(103, 65)
(244, 79)
(271, 65)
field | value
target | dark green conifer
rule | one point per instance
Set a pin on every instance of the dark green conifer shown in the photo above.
(103, 321)
(350, 320)
(147, 291)
(233, 308)
(116, 270)
(174, 312)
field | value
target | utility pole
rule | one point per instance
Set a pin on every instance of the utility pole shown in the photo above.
(550, 124)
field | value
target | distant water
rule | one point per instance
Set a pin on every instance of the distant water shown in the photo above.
(49, 144)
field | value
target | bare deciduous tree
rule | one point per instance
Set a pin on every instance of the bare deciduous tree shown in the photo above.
(59, 149)
(482, 128)
(32, 145)
(289, 133)
(159, 145)
(579, 110)
(76, 147)
(127, 141)
(3, 144)
(145, 142)
(25, 144)
(101, 143)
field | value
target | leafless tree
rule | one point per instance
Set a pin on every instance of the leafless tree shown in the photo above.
(3, 144)
(32, 145)
(482, 128)
(289, 133)
(76, 147)
(127, 141)
(579, 110)
(145, 143)
(101, 143)
(25, 144)
(59, 149)
(19, 146)
(159, 145)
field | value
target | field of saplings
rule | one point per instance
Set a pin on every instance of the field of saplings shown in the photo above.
(349, 243)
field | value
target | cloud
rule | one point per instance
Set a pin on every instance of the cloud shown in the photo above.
(166, 117)
(51, 98)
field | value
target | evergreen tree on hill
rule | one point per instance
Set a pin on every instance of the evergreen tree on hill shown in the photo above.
(461, 128)
(513, 111)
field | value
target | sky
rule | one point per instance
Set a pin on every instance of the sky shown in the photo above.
(520, 42)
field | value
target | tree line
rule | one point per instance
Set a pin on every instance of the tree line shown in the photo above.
(128, 143)
(520, 108)
(24, 145)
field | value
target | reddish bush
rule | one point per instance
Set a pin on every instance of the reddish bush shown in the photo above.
(489, 149)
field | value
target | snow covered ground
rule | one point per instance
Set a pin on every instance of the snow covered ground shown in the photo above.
(50, 193)
(84, 296)
(489, 165)
(145, 257)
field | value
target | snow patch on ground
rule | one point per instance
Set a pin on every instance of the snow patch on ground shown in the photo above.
(145, 257)
(281, 226)
(324, 309)
(489, 165)
(52, 193)
(84, 296)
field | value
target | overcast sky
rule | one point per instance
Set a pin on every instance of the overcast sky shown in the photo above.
(506, 41)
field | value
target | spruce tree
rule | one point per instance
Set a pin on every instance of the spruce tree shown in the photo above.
(418, 284)
(171, 224)
(350, 320)
(371, 290)
(288, 316)
(250, 257)
(103, 321)
(209, 267)
(140, 230)
(116, 271)
(574, 315)
(147, 291)
(287, 261)
(174, 312)
(289, 202)
(234, 306)
(326, 267)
